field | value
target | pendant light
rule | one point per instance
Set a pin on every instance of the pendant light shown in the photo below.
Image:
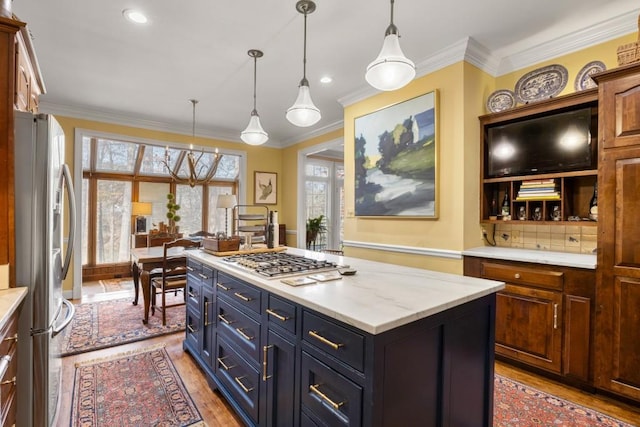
(254, 134)
(391, 70)
(303, 112)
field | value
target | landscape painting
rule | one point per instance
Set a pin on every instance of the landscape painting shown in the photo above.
(396, 160)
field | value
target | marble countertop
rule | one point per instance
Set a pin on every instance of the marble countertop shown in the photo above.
(10, 299)
(565, 259)
(378, 298)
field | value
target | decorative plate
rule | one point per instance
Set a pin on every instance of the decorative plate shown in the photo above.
(583, 79)
(542, 83)
(501, 100)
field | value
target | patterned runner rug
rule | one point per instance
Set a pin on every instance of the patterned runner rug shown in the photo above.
(518, 405)
(114, 322)
(116, 285)
(137, 388)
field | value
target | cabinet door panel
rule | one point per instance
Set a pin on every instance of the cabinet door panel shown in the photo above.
(626, 345)
(280, 366)
(208, 311)
(528, 326)
(627, 202)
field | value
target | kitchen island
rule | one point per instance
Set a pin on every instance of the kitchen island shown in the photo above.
(390, 345)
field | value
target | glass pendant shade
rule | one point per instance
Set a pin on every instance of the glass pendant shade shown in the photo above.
(303, 112)
(391, 70)
(254, 134)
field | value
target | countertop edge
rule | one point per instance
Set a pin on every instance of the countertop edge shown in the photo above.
(10, 300)
(564, 259)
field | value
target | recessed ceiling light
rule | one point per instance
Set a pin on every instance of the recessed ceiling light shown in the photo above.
(135, 16)
(326, 79)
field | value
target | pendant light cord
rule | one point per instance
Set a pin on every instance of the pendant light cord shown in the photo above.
(391, 29)
(255, 66)
(304, 81)
(193, 121)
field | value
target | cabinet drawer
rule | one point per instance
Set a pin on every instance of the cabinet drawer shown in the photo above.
(331, 338)
(239, 378)
(330, 396)
(241, 293)
(8, 347)
(194, 289)
(193, 266)
(239, 329)
(282, 314)
(193, 334)
(207, 275)
(523, 275)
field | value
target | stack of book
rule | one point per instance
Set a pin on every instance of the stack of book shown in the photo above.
(538, 189)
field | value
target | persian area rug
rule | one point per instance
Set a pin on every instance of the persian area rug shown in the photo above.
(116, 285)
(518, 405)
(137, 388)
(114, 322)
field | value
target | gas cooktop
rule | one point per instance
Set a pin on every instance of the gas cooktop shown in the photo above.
(278, 264)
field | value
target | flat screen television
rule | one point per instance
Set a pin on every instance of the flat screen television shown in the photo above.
(553, 143)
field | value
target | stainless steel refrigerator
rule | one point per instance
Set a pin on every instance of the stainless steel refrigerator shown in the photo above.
(42, 184)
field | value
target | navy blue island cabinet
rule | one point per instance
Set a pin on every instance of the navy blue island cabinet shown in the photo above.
(281, 363)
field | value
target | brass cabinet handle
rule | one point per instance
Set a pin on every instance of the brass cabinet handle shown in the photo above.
(265, 352)
(192, 295)
(203, 277)
(224, 365)
(244, 387)
(314, 388)
(4, 365)
(189, 268)
(190, 328)
(242, 297)
(13, 338)
(555, 316)
(224, 319)
(276, 315)
(245, 336)
(223, 287)
(11, 381)
(517, 275)
(206, 313)
(325, 341)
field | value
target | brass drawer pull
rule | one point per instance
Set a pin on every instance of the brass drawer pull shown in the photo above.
(517, 275)
(277, 316)
(224, 365)
(11, 381)
(13, 338)
(190, 328)
(223, 287)
(555, 316)
(314, 388)
(244, 387)
(242, 297)
(265, 353)
(325, 341)
(192, 295)
(245, 336)
(189, 268)
(224, 319)
(203, 277)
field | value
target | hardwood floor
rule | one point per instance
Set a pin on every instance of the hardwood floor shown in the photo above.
(216, 411)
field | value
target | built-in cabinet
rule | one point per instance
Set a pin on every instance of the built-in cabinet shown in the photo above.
(575, 187)
(618, 293)
(28, 81)
(544, 316)
(8, 370)
(280, 363)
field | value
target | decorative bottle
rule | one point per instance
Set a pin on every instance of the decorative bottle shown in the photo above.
(506, 205)
(593, 204)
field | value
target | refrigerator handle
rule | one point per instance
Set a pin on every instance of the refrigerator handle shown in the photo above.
(72, 219)
(71, 311)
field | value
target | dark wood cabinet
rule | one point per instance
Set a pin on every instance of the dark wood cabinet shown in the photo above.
(543, 316)
(618, 291)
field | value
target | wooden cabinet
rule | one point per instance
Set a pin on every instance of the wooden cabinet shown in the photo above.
(28, 81)
(280, 363)
(618, 290)
(8, 370)
(574, 187)
(543, 316)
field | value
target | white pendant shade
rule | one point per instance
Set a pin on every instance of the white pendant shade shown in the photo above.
(391, 70)
(303, 112)
(254, 134)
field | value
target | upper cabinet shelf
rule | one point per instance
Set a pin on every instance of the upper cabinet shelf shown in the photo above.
(543, 156)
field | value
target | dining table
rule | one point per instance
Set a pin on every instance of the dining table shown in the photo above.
(143, 263)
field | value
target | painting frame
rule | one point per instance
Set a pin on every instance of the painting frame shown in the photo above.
(265, 188)
(396, 160)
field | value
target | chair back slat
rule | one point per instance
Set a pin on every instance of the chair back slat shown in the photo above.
(171, 266)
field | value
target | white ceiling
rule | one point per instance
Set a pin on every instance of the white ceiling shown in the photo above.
(97, 65)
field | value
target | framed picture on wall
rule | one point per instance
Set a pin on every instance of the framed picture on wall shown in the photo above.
(396, 160)
(265, 188)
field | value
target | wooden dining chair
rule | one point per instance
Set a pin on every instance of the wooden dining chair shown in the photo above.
(172, 277)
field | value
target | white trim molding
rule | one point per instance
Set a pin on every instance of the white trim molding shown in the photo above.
(433, 252)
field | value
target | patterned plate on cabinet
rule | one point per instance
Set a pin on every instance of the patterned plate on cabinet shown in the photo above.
(542, 83)
(501, 100)
(583, 79)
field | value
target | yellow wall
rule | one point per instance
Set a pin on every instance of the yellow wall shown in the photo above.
(263, 159)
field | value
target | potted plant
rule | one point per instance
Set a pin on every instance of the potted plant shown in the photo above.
(172, 215)
(314, 226)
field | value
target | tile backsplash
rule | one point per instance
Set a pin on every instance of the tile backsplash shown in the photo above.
(560, 238)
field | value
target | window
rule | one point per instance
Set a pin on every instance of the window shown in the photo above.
(113, 225)
(324, 192)
(190, 201)
(156, 193)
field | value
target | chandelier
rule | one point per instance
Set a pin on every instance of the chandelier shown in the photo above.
(195, 163)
